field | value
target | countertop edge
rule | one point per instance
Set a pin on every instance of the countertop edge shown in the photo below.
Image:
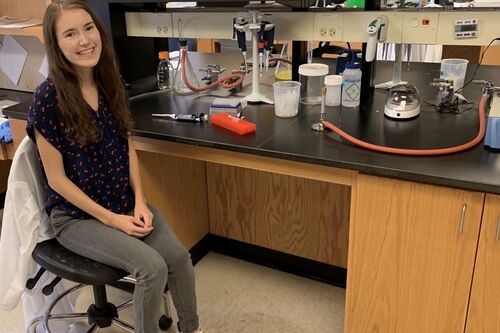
(361, 168)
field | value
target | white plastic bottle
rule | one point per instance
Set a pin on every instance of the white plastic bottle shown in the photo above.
(351, 85)
(333, 84)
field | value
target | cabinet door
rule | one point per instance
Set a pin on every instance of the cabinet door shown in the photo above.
(410, 258)
(484, 308)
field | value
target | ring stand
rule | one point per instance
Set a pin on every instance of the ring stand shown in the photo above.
(396, 72)
(256, 96)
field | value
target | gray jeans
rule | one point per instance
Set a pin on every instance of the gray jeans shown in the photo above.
(153, 260)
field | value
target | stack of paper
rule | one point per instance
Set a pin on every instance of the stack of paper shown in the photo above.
(10, 23)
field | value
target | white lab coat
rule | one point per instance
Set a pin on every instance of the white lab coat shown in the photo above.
(419, 53)
(24, 224)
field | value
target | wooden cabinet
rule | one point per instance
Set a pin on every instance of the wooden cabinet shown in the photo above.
(18, 128)
(411, 256)
(484, 308)
(26, 9)
(473, 53)
(302, 217)
(207, 45)
(177, 187)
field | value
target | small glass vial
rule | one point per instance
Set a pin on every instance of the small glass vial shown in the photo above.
(163, 71)
(351, 85)
(333, 84)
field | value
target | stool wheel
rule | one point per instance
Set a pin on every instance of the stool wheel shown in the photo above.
(165, 323)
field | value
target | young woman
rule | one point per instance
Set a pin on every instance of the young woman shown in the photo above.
(80, 121)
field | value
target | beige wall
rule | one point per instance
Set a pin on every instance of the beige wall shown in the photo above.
(30, 77)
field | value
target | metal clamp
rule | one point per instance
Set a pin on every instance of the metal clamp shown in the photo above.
(488, 87)
(446, 89)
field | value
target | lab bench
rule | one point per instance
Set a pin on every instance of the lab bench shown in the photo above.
(418, 236)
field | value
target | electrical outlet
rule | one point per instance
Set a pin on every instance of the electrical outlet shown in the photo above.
(157, 24)
(161, 29)
(328, 26)
(149, 24)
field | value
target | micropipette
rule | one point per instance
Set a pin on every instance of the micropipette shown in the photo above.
(191, 118)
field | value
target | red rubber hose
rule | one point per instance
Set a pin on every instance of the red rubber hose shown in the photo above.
(223, 80)
(420, 152)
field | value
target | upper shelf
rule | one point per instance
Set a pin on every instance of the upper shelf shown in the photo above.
(36, 31)
(415, 27)
(24, 10)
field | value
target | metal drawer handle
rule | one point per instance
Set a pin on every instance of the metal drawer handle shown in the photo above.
(462, 220)
(498, 229)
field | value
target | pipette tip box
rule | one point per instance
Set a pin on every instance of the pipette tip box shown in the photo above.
(232, 106)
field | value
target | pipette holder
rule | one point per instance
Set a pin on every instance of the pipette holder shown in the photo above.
(255, 27)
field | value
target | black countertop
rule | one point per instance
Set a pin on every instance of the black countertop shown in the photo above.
(292, 139)
(23, 98)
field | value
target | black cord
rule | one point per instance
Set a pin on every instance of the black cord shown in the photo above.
(453, 107)
(477, 67)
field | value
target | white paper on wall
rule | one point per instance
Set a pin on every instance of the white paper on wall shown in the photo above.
(12, 59)
(44, 67)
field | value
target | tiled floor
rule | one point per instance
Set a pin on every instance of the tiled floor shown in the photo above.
(237, 296)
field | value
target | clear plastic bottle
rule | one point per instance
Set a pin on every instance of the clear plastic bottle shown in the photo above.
(184, 67)
(163, 71)
(351, 85)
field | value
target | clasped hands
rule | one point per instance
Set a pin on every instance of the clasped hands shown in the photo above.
(140, 225)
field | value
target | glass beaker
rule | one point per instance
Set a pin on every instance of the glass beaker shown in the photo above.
(454, 69)
(185, 80)
(283, 71)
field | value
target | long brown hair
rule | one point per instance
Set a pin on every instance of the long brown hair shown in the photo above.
(79, 124)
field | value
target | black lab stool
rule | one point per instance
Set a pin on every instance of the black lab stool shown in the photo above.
(53, 257)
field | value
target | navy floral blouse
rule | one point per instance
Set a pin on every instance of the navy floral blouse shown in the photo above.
(101, 169)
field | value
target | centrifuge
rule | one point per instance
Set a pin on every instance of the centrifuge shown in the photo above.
(402, 102)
